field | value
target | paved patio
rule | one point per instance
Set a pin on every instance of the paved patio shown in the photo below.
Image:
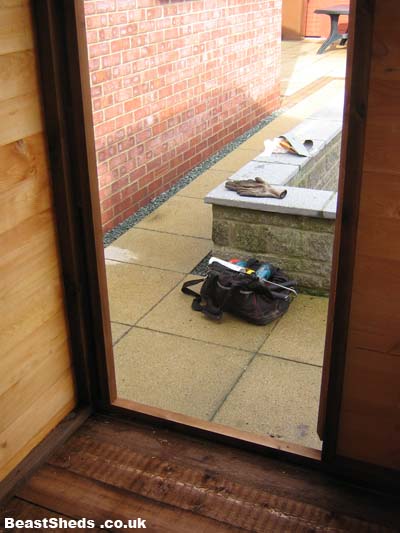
(264, 380)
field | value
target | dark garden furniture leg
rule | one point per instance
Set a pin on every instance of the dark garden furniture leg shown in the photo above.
(333, 36)
(334, 13)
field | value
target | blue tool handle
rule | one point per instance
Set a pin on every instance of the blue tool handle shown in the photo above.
(265, 271)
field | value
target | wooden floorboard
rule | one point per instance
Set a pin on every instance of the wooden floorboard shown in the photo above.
(23, 510)
(78, 496)
(112, 469)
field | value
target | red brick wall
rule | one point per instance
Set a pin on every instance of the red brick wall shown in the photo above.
(172, 83)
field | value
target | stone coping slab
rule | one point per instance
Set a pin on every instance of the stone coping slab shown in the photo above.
(330, 208)
(317, 129)
(298, 201)
(279, 169)
(289, 159)
(321, 128)
(273, 173)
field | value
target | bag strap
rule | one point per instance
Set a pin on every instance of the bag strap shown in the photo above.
(196, 304)
(185, 287)
(210, 310)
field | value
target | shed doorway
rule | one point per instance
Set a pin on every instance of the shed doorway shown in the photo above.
(185, 419)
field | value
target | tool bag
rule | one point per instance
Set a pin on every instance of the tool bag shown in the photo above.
(244, 295)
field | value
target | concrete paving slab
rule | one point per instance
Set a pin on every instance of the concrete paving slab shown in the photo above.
(180, 375)
(316, 100)
(163, 250)
(307, 67)
(117, 330)
(235, 160)
(278, 398)
(181, 216)
(174, 315)
(333, 110)
(300, 334)
(204, 183)
(133, 290)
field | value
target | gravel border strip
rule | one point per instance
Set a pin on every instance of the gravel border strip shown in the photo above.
(143, 212)
(201, 268)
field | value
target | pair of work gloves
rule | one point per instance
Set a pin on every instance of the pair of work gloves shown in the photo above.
(256, 187)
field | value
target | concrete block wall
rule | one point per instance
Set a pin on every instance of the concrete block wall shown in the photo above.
(322, 171)
(300, 245)
(295, 233)
(173, 82)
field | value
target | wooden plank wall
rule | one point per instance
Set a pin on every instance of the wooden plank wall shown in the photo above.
(370, 413)
(36, 383)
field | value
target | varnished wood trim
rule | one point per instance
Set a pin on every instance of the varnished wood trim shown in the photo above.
(217, 432)
(62, 55)
(352, 154)
(63, 59)
(40, 453)
(92, 219)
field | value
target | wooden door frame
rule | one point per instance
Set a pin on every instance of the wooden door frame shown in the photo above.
(62, 50)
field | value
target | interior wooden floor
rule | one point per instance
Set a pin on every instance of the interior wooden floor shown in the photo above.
(111, 469)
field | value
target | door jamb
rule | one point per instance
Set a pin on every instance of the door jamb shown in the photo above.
(67, 104)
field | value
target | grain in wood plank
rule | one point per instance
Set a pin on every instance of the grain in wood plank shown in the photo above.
(25, 186)
(264, 473)
(27, 354)
(379, 143)
(381, 153)
(51, 366)
(375, 309)
(21, 510)
(185, 451)
(37, 456)
(30, 272)
(42, 232)
(34, 238)
(36, 422)
(14, 3)
(369, 415)
(191, 489)
(20, 117)
(27, 263)
(18, 75)
(73, 495)
(382, 108)
(387, 47)
(380, 195)
(24, 160)
(31, 289)
(182, 472)
(379, 237)
(15, 26)
(369, 420)
(26, 313)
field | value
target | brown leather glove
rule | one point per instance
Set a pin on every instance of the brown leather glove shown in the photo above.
(255, 187)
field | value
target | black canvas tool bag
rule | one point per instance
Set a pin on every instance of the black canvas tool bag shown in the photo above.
(241, 294)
